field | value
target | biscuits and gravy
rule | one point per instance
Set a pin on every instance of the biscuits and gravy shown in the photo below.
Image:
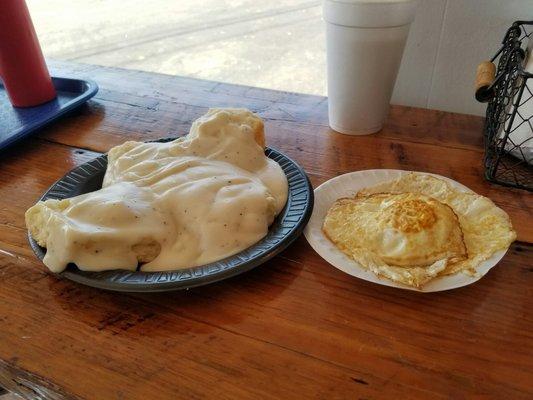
(165, 206)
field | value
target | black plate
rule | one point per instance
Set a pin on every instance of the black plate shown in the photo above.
(286, 228)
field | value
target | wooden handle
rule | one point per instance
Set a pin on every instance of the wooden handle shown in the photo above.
(485, 74)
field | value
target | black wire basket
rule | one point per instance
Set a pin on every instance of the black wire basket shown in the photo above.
(508, 129)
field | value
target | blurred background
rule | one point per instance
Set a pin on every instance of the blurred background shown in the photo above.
(273, 44)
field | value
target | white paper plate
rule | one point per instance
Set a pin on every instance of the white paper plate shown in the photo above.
(348, 185)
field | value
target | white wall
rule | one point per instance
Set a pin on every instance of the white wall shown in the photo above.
(447, 41)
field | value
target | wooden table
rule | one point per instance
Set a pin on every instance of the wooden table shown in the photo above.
(293, 328)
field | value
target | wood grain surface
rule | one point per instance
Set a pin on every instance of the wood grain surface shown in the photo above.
(293, 328)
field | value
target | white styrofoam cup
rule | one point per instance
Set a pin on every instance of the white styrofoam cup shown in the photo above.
(365, 41)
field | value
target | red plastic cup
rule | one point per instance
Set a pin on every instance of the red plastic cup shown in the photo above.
(22, 65)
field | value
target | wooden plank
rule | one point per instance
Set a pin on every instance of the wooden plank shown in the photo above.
(171, 93)
(397, 342)
(293, 328)
(126, 347)
(420, 341)
(342, 323)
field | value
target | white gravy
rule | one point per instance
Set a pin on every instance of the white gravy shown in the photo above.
(203, 197)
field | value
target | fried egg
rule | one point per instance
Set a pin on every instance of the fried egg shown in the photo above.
(417, 227)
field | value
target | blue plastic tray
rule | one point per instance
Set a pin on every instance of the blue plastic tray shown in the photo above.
(17, 123)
